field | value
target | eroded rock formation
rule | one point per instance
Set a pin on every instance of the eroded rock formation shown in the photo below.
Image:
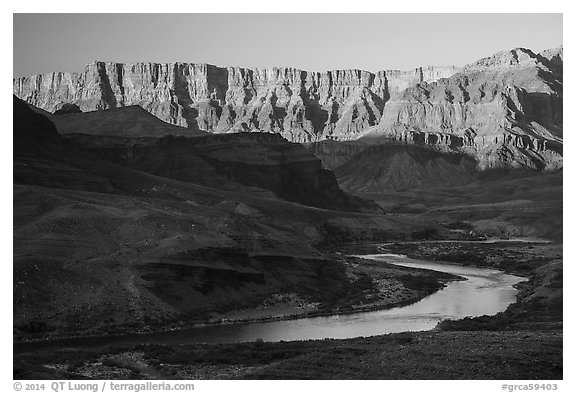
(302, 106)
(504, 110)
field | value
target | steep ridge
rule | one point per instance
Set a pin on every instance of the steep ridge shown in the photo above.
(32, 130)
(302, 106)
(130, 121)
(504, 110)
(42, 157)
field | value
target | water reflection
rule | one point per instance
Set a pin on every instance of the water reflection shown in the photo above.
(483, 292)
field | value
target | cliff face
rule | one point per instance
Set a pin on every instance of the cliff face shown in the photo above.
(302, 106)
(504, 110)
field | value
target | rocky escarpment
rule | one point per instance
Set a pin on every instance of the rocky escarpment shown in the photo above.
(301, 106)
(504, 110)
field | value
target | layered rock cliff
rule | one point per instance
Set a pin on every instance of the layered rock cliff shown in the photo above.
(300, 105)
(504, 110)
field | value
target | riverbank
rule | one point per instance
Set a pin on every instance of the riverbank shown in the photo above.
(524, 342)
(377, 285)
(514, 256)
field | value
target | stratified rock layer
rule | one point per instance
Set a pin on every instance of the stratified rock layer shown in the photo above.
(504, 110)
(302, 106)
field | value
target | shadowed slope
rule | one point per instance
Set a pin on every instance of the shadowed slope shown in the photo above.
(396, 167)
(130, 121)
(233, 162)
(101, 248)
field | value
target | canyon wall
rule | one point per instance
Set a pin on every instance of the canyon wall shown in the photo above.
(504, 110)
(300, 105)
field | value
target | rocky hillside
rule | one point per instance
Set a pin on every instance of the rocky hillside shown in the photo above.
(364, 169)
(402, 167)
(302, 106)
(504, 110)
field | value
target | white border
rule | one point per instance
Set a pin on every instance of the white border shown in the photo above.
(301, 6)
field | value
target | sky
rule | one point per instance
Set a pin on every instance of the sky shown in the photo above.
(315, 42)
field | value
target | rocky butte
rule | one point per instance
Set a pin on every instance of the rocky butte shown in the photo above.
(504, 110)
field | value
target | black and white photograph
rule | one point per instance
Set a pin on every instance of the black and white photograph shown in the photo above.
(286, 196)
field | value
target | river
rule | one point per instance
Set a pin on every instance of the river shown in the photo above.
(483, 292)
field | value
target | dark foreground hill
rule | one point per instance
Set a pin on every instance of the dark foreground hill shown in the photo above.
(129, 238)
